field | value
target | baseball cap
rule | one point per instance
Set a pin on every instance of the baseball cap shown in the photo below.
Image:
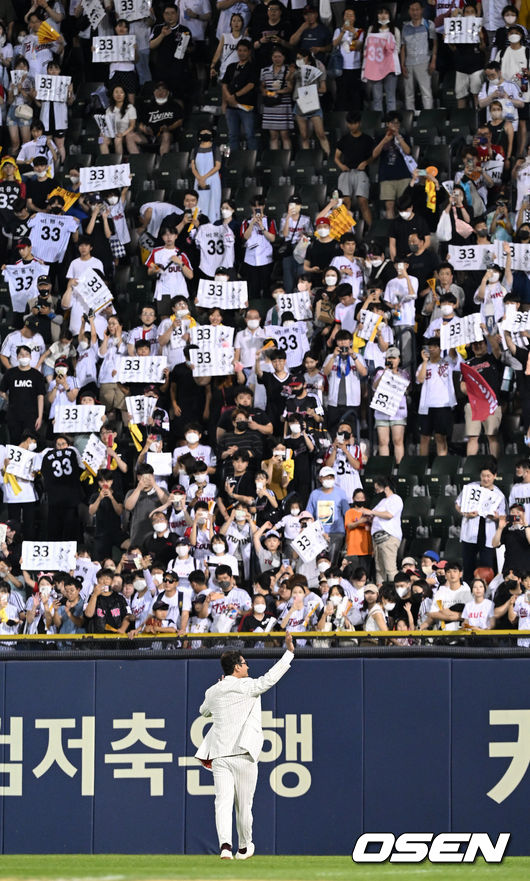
(441, 564)
(323, 221)
(23, 243)
(31, 322)
(305, 515)
(432, 555)
(408, 562)
(367, 587)
(392, 352)
(42, 279)
(182, 540)
(326, 472)
(272, 534)
(161, 85)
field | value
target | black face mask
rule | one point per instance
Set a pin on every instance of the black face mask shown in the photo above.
(224, 585)
(205, 137)
(524, 236)
(359, 504)
(241, 425)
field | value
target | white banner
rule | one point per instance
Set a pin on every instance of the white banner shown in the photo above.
(464, 29)
(20, 462)
(309, 542)
(104, 177)
(182, 40)
(52, 88)
(461, 331)
(520, 255)
(94, 11)
(207, 336)
(389, 392)
(107, 49)
(76, 418)
(516, 322)
(95, 454)
(480, 499)
(106, 125)
(222, 294)
(3, 533)
(17, 76)
(299, 303)
(93, 291)
(49, 555)
(161, 463)
(147, 370)
(369, 323)
(471, 256)
(292, 340)
(212, 362)
(307, 99)
(140, 408)
(132, 10)
(494, 169)
(22, 281)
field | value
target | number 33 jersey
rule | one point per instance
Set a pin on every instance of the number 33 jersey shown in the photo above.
(61, 470)
(216, 243)
(50, 234)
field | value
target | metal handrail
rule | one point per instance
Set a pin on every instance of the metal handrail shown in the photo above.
(305, 634)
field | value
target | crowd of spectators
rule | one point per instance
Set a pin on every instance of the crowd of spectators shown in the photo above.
(367, 178)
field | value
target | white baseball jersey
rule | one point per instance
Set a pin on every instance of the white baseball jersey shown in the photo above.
(356, 279)
(22, 280)
(50, 234)
(522, 610)
(15, 339)
(216, 243)
(75, 270)
(174, 349)
(397, 294)
(171, 281)
(159, 210)
(36, 147)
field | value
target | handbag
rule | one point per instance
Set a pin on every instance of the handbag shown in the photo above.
(300, 249)
(307, 99)
(335, 63)
(285, 248)
(24, 112)
(380, 537)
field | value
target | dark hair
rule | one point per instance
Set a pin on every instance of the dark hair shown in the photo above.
(229, 661)
(223, 569)
(144, 468)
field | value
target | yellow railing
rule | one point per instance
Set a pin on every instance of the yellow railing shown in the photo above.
(277, 635)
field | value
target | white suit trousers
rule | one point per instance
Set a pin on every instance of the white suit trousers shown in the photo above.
(235, 779)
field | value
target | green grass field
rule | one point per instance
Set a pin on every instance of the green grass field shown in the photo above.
(115, 867)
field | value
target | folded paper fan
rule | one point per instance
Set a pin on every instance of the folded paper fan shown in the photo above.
(47, 34)
(341, 221)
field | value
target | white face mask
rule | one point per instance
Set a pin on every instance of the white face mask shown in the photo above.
(259, 608)
(390, 606)
(514, 38)
(74, 179)
(181, 313)
(323, 232)
(241, 515)
(335, 600)
(446, 309)
(201, 478)
(383, 21)
(260, 484)
(428, 570)
(406, 215)
(376, 262)
(158, 578)
(82, 345)
(401, 591)
(496, 114)
(510, 19)
(182, 551)
(160, 527)
(140, 584)
(32, 446)
(494, 277)
(323, 566)
(218, 548)
(296, 429)
(328, 482)
(295, 512)
(226, 213)
(340, 438)
(494, 82)
(253, 323)
(299, 62)
(45, 591)
(112, 200)
(162, 100)
(192, 437)
(330, 280)
(289, 323)
(20, 39)
(41, 175)
(24, 362)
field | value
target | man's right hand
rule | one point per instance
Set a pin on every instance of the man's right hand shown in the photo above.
(289, 644)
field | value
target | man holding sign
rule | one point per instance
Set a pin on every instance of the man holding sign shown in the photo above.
(476, 531)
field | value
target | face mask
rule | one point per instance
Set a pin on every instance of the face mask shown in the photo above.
(201, 478)
(376, 262)
(241, 515)
(446, 309)
(82, 345)
(241, 424)
(32, 446)
(140, 584)
(74, 179)
(510, 19)
(20, 39)
(24, 362)
(401, 591)
(328, 482)
(296, 429)
(494, 276)
(112, 200)
(279, 453)
(45, 591)
(330, 280)
(414, 249)
(390, 606)
(323, 566)
(288, 323)
(253, 323)
(323, 232)
(496, 114)
(224, 585)
(383, 21)
(181, 313)
(218, 549)
(260, 484)
(158, 578)
(514, 38)
(293, 206)
(335, 600)
(182, 551)
(192, 437)
(161, 100)
(295, 512)
(406, 215)
(160, 527)
(299, 63)
(2, 40)
(495, 82)
(226, 213)
(259, 608)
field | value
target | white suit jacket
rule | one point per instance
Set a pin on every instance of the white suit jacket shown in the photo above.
(235, 708)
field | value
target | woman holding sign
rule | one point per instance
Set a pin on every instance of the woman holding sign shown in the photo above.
(387, 424)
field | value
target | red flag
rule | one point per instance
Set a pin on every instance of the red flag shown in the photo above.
(481, 396)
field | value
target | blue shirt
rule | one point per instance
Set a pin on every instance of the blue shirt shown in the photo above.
(329, 507)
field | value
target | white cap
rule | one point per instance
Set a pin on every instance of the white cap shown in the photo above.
(326, 472)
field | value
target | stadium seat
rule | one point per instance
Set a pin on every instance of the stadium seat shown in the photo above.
(310, 193)
(307, 166)
(438, 155)
(239, 167)
(444, 516)
(406, 484)
(413, 465)
(417, 547)
(415, 513)
(452, 550)
(81, 159)
(372, 123)
(471, 467)
(276, 198)
(110, 159)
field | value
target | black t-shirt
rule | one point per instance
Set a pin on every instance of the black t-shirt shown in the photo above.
(107, 521)
(355, 150)
(162, 550)
(517, 553)
(401, 230)
(164, 56)
(490, 369)
(502, 596)
(244, 485)
(61, 472)
(38, 191)
(156, 115)
(300, 405)
(9, 191)
(423, 266)
(248, 440)
(275, 398)
(322, 253)
(23, 388)
(238, 76)
(110, 610)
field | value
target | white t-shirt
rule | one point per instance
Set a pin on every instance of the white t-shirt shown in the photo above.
(437, 389)
(159, 210)
(356, 279)
(397, 294)
(522, 610)
(394, 505)
(249, 342)
(444, 598)
(478, 614)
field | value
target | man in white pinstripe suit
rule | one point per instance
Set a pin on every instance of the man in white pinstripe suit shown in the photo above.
(233, 743)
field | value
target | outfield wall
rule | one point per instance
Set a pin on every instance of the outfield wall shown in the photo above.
(97, 756)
